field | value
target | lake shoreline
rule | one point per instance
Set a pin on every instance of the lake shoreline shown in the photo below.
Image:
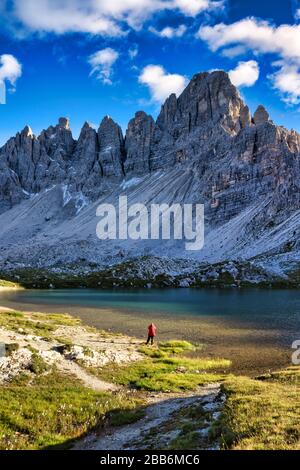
(156, 272)
(106, 387)
(253, 351)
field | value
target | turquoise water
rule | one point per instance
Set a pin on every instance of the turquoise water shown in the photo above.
(269, 308)
(253, 328)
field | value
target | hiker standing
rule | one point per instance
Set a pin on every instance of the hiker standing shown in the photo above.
(151, 333)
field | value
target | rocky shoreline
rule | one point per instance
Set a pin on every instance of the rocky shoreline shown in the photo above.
(92, 348)
(152, 272)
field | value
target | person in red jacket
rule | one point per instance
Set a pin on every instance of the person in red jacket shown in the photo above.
(151, 333)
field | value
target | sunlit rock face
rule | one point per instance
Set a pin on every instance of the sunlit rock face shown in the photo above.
(207, 125)
(202, 119)
(261, 115)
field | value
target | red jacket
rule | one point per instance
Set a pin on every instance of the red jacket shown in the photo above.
(152, 330)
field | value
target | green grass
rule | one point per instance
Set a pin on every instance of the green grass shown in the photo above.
(177, 347)
(167, 348)
(127, 416)
(38, 365)
(188, 439)
(58, 319)
(55, 409)
(39, 324)
(47, 408)
(163, 371)
(17, 321)
(261, 414)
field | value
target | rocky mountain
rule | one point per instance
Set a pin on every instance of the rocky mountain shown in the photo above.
(205, 147)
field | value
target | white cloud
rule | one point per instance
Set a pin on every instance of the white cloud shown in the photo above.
(48, 16)
(102, 62)
(261, 37)
(162, 84)
(194, 7)
(297, 14)
(10, 69)
(169, 32)
(287, 81)
(104, 17)
(256, 35)
(245, 74)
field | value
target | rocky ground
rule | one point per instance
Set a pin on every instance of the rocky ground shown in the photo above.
(161, 427)
(33, 345)
(73, 345)
(154, 272)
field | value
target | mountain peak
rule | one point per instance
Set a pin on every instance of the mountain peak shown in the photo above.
(261, 115)
(107, 118)
(27, 131)
(64, 123)
(208, 150)
(86, 126)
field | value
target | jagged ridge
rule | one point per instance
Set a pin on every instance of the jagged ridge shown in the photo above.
(204, 147)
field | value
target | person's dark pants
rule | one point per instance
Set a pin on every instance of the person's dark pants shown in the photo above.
(150, 338)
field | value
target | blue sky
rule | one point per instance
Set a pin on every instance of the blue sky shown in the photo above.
(88, 59)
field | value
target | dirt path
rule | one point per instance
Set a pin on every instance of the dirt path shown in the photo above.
(162, 423)
(90, 381)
